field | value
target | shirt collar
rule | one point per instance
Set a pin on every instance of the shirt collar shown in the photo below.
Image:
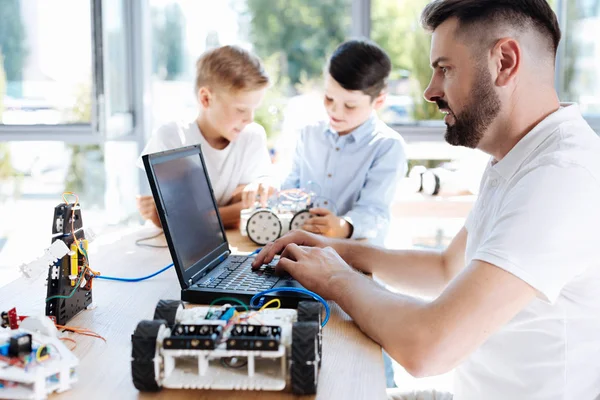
(509, 165)
(364, 130)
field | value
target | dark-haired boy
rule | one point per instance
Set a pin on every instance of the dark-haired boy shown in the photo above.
(354, 158)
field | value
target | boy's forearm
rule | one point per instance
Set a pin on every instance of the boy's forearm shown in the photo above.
(230, 215)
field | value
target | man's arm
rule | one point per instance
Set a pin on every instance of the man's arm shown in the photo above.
(426, 338)
(427, 272)
(432, 338)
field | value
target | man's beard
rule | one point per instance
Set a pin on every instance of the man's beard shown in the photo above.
(470, 125)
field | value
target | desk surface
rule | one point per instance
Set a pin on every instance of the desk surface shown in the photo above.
(352, 365)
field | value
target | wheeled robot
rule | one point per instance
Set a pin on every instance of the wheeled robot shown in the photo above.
(34, 362)
(228, 348)
(287, 211)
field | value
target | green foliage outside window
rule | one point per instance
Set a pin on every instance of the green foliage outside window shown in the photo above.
(12, 44)
(395, 26)
(302, 32)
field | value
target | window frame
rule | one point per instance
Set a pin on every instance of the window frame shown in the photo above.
(131, 126)
(95, 132)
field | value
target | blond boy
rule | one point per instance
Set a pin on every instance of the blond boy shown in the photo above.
(230, 85)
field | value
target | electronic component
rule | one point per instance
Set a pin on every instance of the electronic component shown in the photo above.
(69, 281)
(19, 345)
(251, 337)
(217, 348)
(24, 371)
(193, 337)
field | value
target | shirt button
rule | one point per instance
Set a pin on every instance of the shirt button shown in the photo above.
(337, 149)
(494, 182)
(329, 175)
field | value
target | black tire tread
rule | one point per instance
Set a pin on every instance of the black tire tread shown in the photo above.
(143, 351)
(142, 373)
(303, 379)
(167, 310)
(312, 311)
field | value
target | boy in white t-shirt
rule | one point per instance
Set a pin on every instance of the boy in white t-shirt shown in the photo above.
(230, 85)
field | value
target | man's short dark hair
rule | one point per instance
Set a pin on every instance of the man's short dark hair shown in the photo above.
(485, 13)
(360, 65)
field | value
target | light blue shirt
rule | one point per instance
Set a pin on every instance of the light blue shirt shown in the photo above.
(357, 171)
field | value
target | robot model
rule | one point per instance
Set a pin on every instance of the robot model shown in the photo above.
(228, 348)
(286, 211)
(34, 362)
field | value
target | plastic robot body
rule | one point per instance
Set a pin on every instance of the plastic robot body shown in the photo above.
(221, 348)
(288, 211)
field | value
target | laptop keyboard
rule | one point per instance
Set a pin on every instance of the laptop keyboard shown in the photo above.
(238, 275)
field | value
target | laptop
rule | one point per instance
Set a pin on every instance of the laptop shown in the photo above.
(196, 237)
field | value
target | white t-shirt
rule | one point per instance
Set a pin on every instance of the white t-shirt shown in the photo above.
(538, 217)
(242, 162)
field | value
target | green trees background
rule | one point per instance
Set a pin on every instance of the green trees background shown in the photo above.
(303, 33)
(12, 45)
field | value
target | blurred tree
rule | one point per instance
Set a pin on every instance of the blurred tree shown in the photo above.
(396, 28)
(12, 43)
(2, 84)
(270, 112)
(168, 25)
(302, 32)
(6, 169)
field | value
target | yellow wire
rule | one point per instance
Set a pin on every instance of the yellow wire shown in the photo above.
(271, 302)
(38, 353)
(86, 263)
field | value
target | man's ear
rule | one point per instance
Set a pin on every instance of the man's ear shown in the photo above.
(204, 97)
(507, 60)
(379, 100)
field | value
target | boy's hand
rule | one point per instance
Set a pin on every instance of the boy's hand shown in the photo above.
(324, 222)
(147, 209)
(256, 191)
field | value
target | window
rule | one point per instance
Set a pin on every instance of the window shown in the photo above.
(46, 77)
(293, 38)
(395, 26)
(579, 57)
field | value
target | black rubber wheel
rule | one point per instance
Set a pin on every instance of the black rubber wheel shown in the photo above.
(312, 311)
(430, 183)
(304, 370)
(143, 352)
(167, 310)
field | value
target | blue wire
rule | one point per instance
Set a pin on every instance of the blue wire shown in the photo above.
(296, 290)
(112, 278)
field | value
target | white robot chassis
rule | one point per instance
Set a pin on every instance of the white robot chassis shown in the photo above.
(225, 348)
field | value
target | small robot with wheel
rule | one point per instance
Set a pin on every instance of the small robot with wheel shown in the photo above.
(287, 211)
(228, 348)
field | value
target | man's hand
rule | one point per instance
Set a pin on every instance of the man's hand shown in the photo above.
(313, 267)
(256, 191)
(147, 209)
(325, 223)
(298, 237)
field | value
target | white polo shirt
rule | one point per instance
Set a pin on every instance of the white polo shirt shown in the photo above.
(538, 217)
(242, 162)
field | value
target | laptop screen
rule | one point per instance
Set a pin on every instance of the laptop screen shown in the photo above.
(188, 206)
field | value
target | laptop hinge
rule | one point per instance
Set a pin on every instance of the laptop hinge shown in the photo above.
(198, 275)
